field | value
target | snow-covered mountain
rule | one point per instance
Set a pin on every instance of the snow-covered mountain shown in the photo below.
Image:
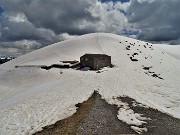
(31, 97)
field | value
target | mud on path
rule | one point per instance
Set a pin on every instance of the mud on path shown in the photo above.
(96, 116)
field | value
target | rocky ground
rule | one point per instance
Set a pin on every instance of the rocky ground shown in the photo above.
(95, 116)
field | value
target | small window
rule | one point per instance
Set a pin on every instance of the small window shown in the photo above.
(86, 59)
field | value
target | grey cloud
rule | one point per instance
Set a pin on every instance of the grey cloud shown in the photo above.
(64, 16)
(60, 16)
(157, 20)
(47, 22)
(42, 22)
(17, 48)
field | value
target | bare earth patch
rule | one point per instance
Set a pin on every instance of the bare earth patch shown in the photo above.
(160, 123)
(96, 116)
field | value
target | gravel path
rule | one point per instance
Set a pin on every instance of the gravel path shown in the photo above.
(96, 117)
(102, 119)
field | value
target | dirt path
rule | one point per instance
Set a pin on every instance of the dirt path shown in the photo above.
(95, 116)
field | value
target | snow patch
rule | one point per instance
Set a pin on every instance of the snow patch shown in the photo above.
(139, 130)
(127, 115)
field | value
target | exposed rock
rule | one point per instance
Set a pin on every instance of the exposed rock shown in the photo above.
(132, 59)
(147, 68)
(157, 76)
(128, 47)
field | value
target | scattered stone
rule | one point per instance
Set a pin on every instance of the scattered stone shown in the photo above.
(98, 71)
(132, 44)
(157, 76)
(46, 67)
(132, 59)
(150, 72)
(147, 68)
(70, 62)
(128, 47)
(135, 54)
(61, 72)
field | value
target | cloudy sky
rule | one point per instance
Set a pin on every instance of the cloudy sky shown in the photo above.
(26, 25)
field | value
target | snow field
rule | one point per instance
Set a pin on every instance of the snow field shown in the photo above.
(31, 98)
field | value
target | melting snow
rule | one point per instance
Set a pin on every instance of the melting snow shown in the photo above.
(31, 98)
(139, 130)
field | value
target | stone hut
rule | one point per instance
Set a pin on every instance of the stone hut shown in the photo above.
(95, 61)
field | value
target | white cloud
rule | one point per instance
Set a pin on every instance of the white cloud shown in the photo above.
(148, 1)
(111, 19)
(122, 6)
(65, 36)
(19, 17)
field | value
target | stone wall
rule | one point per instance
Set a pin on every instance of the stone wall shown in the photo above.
(95, 61)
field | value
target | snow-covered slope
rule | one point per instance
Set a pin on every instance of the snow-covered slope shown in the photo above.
(31, 98)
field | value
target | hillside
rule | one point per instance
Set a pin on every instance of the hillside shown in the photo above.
(31, 97)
